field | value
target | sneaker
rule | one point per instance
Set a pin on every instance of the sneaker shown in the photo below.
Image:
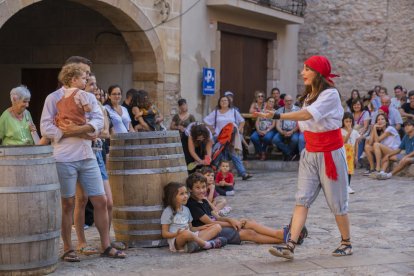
(230, 193)
(281, 251)
(191, 247)
(218, 242)
(373, 174)
(225, 211)
(350, 191)
(85, 226)
(247, 176)
(368, 172)
(384, 176)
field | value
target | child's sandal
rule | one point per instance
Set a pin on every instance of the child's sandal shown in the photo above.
(345, 249)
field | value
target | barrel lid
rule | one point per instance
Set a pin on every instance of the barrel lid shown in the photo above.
(24, 150)
(145, 135)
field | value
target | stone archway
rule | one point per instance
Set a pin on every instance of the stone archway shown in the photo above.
(130, 20)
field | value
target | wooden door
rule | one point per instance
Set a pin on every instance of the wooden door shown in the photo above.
(41, 82)
(243, 67)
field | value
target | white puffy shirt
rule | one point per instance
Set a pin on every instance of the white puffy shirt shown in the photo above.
(327, 112)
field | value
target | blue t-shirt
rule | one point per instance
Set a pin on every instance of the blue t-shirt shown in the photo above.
(407, 144)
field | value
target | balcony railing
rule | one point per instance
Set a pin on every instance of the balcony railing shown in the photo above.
(295, 7)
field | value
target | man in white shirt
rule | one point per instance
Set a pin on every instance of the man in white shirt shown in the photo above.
(287, 136)
(76, 160)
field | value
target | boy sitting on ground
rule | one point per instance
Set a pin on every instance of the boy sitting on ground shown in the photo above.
(234, 230)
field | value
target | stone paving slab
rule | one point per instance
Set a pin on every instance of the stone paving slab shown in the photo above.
(384, 257)
(382, 226)
(280, 265)
(203, 270)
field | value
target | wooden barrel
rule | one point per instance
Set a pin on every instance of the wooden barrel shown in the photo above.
(30, 211)
(139, 166)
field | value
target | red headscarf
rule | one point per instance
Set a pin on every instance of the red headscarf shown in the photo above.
(386, 109)
(321, 65)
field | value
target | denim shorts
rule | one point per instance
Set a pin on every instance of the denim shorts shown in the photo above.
(101, 165)
(86, 171)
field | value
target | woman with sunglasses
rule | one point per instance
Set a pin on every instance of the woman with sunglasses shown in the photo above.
(259, 102)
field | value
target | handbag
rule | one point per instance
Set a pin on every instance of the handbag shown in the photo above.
(35, 135)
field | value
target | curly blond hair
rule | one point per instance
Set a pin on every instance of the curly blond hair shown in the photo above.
(70, 71)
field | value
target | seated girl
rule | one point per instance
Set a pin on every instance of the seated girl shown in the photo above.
(383, 140)
(176, 222)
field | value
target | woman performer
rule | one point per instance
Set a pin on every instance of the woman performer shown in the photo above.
(323, 163)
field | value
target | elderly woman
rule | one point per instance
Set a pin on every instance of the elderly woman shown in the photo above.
(16, 123)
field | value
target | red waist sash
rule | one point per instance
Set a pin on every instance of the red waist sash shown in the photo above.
(325, 142)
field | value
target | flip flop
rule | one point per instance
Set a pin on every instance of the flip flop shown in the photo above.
(87, 251)
(117, 255)
(70, 256)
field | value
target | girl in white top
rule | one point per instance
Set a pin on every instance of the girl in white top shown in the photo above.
(121, 121)
(350, 136)
(176, 222)
(322, 163)
(383, 140)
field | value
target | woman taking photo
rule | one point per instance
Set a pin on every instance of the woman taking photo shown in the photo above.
(121, 122)
(217, 120)
(322, 163)
(16, 123)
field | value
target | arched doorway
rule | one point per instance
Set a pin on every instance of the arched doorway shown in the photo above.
(37, 38)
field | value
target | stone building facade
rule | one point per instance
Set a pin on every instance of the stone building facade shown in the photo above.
(369, 42)
(157, 45)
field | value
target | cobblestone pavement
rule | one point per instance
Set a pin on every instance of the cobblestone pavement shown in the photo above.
(382, 226)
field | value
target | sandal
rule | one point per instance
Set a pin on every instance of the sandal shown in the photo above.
(70, 256)
(118, 245)
(286, 251)
(88, 250)
(345, 249)
(118, 254)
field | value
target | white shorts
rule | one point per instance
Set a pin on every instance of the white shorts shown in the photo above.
(312, 178)
(171, 243)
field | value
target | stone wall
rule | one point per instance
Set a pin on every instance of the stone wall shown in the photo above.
(369, 42)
